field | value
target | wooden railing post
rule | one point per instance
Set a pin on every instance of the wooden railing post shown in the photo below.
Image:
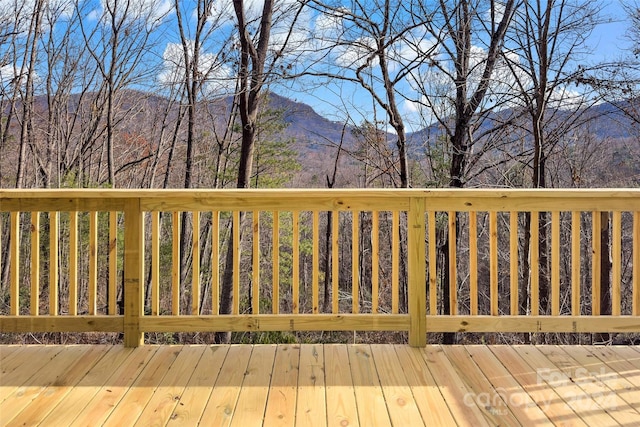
(133, 273)
(417, 272)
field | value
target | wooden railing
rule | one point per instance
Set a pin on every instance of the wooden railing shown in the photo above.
(421, 261)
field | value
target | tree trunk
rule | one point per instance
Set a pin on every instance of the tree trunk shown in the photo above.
(251, 80)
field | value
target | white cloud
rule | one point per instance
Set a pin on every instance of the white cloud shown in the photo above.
(356, 54)
(410, 107)
(252, 8)
(94, 15)
(291, 27)
(352, 47)
(221, 11)
(18, 14)
(151, 11)
(7, 75)
(433, 91)
(327, 29)
(498, 12)
(218, 77)
(10, 75)
(564, 98)
(410, 51)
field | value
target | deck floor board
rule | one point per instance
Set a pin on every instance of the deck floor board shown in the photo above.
(194, 399)
(221, 404)
(46, 379)
(316, 384)
(64, 383)
(311, 401)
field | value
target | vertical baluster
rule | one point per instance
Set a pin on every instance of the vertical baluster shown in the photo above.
(15, 264)
(575, 263)
(513, 261)
(453, 265)
(93, 263)
(355, 258)
(236, 262)
(555, 263)
(395, 261)
(616, 259)
(295, 282)
(113, 262)
(54, 225)
(473, 263)
(335, 262)
(433, 282)
(73, 263)
(315, 262)
(596, 243)
(35, 264)
(534, 253)
(493, 262)
(636, 264)
(255, 274)
(375, 260)
(195, 269)
(155, 263)
(215, 262)
(275, 303)
(175, 264)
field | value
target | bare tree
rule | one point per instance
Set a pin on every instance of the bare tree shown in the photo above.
(378, 46)
(197, 69)
(118, 43)
(251, 79)
(27, 72)
(549, 44)
(194, 70)
(255, 66)
(455, 91)
(20, 44)
(618, 82)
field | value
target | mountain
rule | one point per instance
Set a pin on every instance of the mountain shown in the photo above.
(605, 121)
(309, 128)
(146, 123)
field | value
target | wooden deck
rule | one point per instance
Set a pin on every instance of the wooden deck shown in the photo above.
(310, 384)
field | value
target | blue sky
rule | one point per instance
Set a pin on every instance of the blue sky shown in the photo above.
(608, 39)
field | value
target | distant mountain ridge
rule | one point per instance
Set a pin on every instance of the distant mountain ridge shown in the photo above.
(315, 132)
(304, 122)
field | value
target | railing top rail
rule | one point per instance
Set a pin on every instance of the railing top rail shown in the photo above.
(118, 193)
(322, 199)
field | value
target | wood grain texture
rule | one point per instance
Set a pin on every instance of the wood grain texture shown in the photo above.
(319, 385)
(281, 402)
(94, 409)
(311, 404)
(221, 405)
(199, 388)
(342, 409)
(372, 409)
(401, 405)
(554, 407)
(252, 400)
